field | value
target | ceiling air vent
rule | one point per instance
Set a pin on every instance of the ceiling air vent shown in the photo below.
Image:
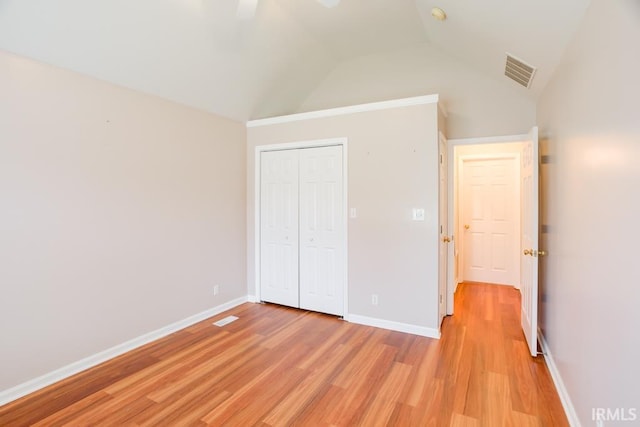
(519, 71)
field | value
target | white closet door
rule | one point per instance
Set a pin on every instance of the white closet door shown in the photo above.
(279, 227)
(321, 230)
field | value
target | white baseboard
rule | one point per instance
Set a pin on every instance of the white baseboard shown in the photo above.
(565, 399)
(35, 384)
(252, 298)
(394, 326)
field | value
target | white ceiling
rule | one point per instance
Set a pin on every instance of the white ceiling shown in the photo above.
(198, 53)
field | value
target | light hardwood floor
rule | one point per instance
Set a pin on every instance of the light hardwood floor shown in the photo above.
(277, 366)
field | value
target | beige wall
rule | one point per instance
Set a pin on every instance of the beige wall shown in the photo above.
(477, 105)
(590, 127)
(392, 161)
(119, 212)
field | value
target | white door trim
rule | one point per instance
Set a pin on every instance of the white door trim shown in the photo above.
(444, 256)
(257, 173)
(451, 170)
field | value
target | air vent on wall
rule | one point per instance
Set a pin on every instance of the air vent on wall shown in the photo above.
(519, 71)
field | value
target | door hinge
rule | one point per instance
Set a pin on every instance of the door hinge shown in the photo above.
(441, 158)
(440, 298)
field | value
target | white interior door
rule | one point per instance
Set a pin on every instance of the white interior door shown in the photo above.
(529, 239)
(321, 230)
(490, 219)
(443, 255)
(279, 227)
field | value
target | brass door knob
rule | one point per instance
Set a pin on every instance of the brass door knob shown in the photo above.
(527, 252)
(446, 239)
(542, 253)
(466, 226)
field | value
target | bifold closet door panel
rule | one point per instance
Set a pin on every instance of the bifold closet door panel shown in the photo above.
(279, 227)
(322, 267)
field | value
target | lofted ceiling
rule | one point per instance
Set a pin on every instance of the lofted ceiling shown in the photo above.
(197, 52)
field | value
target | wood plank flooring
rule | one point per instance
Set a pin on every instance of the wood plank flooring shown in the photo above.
(277, 366)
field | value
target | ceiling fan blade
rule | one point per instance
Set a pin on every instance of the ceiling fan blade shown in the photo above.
(247, 9)
(329, 3)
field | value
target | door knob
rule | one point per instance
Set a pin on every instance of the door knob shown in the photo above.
(542, 253)
(527, 252)
(446, 239)
(466, 226)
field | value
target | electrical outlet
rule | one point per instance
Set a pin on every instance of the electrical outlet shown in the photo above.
(374, 299)
(216, 290)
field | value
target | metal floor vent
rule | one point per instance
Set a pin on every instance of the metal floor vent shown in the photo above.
(519, 71)
(225, 321)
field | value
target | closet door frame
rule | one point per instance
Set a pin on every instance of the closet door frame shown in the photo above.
(343, 142)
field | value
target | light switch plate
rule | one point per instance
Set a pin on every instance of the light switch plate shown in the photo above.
(418, 214)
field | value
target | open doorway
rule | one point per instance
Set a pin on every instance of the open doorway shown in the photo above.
(486, 210)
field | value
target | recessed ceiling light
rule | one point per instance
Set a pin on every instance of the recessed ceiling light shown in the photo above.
(438, 13)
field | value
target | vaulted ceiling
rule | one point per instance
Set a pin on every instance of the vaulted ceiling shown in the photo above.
(197, 52)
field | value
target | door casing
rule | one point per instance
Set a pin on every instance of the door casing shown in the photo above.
(343, 141)
(452, 179)
(444, 247)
